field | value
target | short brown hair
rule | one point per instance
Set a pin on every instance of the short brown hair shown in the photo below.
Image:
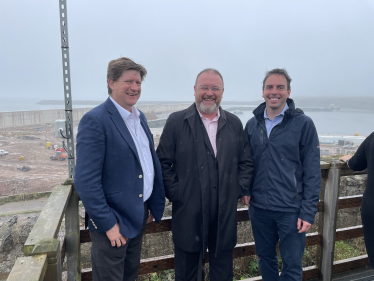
(118, 66)
(279, 71)
(209, 70)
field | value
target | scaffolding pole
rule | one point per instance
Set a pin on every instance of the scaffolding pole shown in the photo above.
(67, 87)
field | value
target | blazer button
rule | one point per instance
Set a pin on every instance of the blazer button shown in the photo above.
(140, 195)
(140, 176)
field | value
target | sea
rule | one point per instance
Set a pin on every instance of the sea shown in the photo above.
(345, 121)
(341, 122)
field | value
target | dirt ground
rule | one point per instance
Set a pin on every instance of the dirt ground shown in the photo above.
(31, 143)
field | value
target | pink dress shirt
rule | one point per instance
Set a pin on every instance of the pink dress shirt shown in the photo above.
(211, 128)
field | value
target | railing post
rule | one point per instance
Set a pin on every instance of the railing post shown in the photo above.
(324, 172)
(51, 247)
(329, 220)
(73, 247)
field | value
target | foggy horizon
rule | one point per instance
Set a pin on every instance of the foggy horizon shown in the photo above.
(325, 46)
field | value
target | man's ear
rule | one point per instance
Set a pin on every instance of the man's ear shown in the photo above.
(110, 83)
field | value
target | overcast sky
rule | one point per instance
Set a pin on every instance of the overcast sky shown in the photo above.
(326, 46)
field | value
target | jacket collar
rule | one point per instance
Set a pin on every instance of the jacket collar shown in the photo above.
(259, 111)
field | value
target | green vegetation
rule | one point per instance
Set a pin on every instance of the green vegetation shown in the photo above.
(166, 275)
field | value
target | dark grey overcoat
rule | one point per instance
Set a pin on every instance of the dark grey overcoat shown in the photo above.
(183, 155)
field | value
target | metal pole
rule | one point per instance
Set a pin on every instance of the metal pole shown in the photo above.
(67, 87)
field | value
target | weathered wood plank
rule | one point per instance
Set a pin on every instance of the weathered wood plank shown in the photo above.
(324, 165)
(329, 217)
(350, 264)
(244, 250)
(50, 247)
(313, 239)
(349, 233)
(73, 247)
(310, 272)
(162, 226)
(29, 268)
(350, 201)
(49, 221)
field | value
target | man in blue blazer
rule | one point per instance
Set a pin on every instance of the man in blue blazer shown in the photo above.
(118, 175)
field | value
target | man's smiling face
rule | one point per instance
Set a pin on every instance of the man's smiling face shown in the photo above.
(275, 92)
(126, 90)
(208, 92)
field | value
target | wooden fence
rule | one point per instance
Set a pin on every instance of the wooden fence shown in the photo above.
(43, 257)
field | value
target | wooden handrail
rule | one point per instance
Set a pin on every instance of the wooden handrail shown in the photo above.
(42, 240)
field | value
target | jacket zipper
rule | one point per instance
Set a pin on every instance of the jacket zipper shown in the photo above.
(294, 178)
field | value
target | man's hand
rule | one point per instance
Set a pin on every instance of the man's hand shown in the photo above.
(115, 237)
(150, 218)
(345, 158)
(245, 200)
(303, 226)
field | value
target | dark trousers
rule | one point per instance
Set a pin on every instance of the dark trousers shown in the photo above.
(116, 264)
(367, 215)
(187, 263)
(269, 227)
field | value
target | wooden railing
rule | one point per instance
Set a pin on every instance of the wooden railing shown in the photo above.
(43, 257)
(43, 253)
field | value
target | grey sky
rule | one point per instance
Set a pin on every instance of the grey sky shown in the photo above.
(326, 46)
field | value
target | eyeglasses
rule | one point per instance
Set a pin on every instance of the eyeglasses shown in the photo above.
(206, 88)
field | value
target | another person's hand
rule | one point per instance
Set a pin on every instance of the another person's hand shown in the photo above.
(303, 226)
(150, 218)
(245, 200)
(345, 158)
(115, 237)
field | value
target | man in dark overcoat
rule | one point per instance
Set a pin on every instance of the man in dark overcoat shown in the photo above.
(206, 165)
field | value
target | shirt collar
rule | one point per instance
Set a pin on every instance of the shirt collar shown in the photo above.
(123, 112)
(215, 118)
(280, 114)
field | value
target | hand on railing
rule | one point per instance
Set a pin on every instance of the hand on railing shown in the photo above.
(345, 158)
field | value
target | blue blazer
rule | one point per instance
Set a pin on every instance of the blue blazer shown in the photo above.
(108, 173)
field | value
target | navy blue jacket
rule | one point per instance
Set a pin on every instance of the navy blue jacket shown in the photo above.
(287, 176)
(108, 173)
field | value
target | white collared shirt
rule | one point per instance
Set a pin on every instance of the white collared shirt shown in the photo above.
(142, 144)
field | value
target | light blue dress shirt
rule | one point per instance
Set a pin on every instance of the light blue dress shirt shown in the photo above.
(270, 124)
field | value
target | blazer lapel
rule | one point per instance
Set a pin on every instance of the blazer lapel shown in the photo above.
(121, 126)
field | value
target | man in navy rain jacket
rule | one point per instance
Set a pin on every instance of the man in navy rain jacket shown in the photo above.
(287, 179)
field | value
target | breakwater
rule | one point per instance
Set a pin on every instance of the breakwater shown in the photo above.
(36, 117)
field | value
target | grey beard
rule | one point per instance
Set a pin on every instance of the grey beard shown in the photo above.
(207, 110)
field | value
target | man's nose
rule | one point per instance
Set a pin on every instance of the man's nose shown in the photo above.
(134, 86)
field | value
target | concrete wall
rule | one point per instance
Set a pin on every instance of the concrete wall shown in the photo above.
(35, 117)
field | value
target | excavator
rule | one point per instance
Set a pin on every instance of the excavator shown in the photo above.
(59, 156)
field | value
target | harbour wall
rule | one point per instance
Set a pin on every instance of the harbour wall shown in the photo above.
(35, 117)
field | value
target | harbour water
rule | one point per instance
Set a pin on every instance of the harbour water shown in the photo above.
(342, 122)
